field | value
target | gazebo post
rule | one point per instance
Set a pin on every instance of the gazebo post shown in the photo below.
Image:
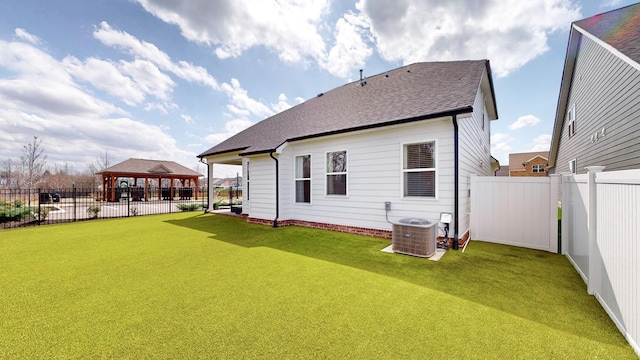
(113, 189)
(195, 186)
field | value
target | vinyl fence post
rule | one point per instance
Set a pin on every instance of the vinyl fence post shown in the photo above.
(595, 259)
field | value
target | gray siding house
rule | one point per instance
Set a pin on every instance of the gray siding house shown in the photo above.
(598, 115)
(411, 136)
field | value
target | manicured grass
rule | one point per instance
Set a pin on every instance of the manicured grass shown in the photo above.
(188, 285)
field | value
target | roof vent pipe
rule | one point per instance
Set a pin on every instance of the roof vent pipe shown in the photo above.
(360, 74)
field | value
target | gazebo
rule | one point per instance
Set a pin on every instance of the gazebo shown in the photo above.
(149, 169)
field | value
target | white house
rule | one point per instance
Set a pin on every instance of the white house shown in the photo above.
(411, 136)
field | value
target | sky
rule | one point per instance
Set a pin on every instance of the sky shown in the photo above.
(167, 80)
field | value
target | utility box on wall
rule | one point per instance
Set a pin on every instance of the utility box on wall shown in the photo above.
(415, 237)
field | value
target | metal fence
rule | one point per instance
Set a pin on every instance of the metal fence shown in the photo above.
(23, 207)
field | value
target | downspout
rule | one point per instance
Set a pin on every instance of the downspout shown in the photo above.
(275, 221)
(456, 181)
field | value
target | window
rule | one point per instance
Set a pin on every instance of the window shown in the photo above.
(419, 169)
(573, 166)
(303, 179)
(538, 168)
(571, 121)
(337, 173)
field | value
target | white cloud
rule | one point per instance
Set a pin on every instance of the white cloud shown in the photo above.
(287, 26)
(350, 51)
(232, 127)
(501, 147)
(241, 100)
(523, 121)
(42, 98)
(541, 143)
(187, 119)
(509, 33)
(294, 30)
(147, 51)
(610, 4)
(24, 35)
(282, 104)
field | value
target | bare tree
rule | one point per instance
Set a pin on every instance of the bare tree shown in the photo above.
(8, 173)
(101, 163)
(32, 163)
(104, 161)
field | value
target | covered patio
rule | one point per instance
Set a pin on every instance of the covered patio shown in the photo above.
(116, 177)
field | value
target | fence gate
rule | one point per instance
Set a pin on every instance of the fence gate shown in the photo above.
(519, 211)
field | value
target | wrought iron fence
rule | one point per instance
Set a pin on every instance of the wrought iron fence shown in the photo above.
(22, 207)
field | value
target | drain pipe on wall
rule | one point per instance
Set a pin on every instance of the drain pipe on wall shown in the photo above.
(275, 221)
(456, 181)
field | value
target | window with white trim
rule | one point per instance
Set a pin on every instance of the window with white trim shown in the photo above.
(571, 121)
(419, 169)
(537, 168)
(303, 179)
(337, 173)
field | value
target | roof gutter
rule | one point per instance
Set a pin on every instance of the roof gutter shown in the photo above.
(456, 181)
(275, 221)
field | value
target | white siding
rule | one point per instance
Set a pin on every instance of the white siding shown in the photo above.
(262, 202)
(474, 156)
(374, 168)
(246, 187)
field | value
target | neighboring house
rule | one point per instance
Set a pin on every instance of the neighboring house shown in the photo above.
(411, 136)
(502, 171)
(528, 164)
(598, 116)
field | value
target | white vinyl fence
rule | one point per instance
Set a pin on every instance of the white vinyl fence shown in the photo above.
(600, 235)
(518, 211)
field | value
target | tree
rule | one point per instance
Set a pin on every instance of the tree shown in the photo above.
(32, 163)
(8, 174)
(104, 161)
(101, 163)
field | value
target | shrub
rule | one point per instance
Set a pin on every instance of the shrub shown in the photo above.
(189, 207)
(43, 213)
(13, 211)
(93, 211)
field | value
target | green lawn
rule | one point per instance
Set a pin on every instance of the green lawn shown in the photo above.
(188, 285)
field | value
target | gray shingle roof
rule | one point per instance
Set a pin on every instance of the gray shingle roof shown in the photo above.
(150, 167)
(412, 92)
(619, 28)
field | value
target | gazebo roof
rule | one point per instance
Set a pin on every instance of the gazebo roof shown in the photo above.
(149, 168)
